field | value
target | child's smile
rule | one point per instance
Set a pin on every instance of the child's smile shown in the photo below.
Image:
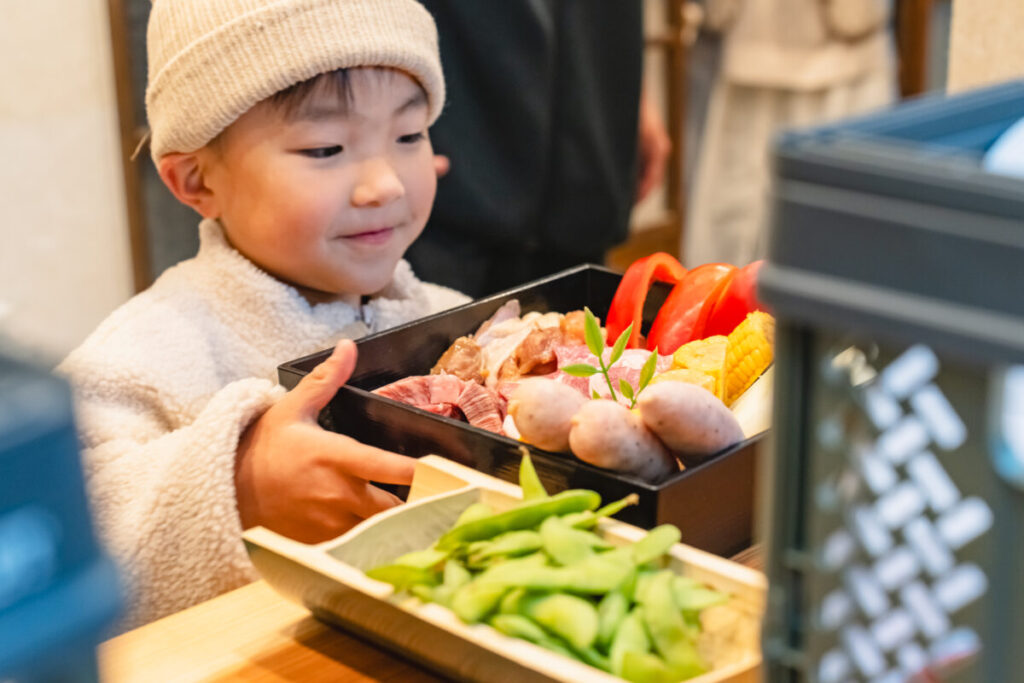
(328, 197)
(371, 237)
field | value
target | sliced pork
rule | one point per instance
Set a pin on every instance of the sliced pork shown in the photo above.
(482, 407)
(449, 396)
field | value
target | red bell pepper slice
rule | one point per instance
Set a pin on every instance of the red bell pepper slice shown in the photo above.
(736, 301)
(683, 316)
(628, 303)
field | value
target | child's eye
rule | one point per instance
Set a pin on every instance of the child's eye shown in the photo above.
(411, 138)
(321, 152)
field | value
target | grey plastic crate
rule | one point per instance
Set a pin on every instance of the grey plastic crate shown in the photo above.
(896, 271)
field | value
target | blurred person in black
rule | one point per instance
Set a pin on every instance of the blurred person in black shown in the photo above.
(548, 137)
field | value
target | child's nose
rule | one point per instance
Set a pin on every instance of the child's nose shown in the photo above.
(378, 184)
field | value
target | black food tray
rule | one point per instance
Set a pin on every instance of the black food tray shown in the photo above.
(712, 503)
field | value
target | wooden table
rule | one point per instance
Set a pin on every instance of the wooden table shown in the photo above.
(249, 634)
(253, 634)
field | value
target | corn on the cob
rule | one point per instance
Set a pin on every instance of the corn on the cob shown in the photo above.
(707, 356)
(687, 375)
(749, 353)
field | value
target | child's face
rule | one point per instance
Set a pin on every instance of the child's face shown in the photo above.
(328, 199)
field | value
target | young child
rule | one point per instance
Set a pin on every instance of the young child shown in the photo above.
(298, 130)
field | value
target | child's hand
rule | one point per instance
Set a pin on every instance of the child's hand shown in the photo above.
(296, 478)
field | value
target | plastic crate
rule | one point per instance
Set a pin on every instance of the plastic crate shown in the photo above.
(896, 268)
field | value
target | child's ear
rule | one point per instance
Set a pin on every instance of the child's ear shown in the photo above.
(183, 176)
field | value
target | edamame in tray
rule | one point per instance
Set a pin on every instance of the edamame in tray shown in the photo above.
(474, 581)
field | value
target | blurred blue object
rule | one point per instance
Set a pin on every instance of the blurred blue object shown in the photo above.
(1006, 155)
(58, 591)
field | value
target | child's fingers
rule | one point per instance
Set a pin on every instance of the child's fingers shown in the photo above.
(315, 390)
(375, 500)
(365, 462)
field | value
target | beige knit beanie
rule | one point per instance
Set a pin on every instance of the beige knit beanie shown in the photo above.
(210, 61)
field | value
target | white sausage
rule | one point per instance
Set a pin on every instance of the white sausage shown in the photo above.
(542, 409)
(607, 434)
(689, 419)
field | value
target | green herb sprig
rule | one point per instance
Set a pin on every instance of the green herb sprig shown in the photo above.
(595, 343)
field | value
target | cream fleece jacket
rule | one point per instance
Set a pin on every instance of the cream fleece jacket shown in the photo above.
(164, 388)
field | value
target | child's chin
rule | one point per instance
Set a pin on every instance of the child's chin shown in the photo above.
(371, 284)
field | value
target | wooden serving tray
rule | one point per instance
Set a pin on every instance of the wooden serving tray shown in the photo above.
(328, 578)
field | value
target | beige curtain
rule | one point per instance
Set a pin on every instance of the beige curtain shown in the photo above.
(786, 63)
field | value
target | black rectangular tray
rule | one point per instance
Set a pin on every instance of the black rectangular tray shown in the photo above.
(712, 504)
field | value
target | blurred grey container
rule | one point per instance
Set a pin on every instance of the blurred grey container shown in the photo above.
(896, 271)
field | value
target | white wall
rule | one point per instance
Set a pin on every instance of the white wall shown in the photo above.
(64, 255)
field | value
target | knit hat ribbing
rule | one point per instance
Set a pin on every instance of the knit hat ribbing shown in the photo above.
(210, 61)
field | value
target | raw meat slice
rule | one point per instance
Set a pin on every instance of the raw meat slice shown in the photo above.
(445, 389)
(449, 396)
(481, 406)
(412, 390)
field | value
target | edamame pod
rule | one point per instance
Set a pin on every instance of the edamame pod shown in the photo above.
(525, 516)
(591, 656)
(588, 519)
(692, 596)
(630, 637)
(508, 544)
(403, 576)
(610, 612)
(672, 638)
(656, 543)
(455, 576)
(518, 626)
(563, 544)
(475, 511)
(422, 559)
(475, 600)
(597, 574)
(424, 592)
(640, 585)
(512, 602)
(568, 616)
(529, 482)
(644, 667)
